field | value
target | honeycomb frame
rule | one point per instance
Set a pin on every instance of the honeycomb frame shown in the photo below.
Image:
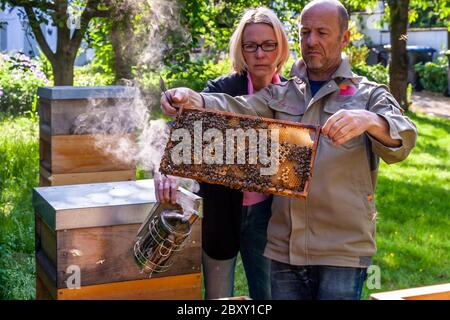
(297, 150)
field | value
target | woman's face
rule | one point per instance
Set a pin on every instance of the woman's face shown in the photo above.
(260, 63)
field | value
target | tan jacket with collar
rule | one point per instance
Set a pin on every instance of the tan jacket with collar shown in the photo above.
(335, 224)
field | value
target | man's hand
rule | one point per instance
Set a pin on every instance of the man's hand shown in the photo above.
(165, 188)
(347, 124)
(180, 97)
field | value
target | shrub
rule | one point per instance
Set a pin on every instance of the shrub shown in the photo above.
(356, 51)
(20, 76)
(193, 74)
(433, 75)
(89, 75)
(377, 72)
(286, 70)
(196, 73)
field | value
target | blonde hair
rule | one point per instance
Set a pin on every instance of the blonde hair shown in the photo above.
(258, 15)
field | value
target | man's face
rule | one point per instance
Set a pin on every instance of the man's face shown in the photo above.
(321, 39)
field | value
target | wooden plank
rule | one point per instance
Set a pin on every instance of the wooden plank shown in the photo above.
(42, 292)
(431, 296)
(45, 154)
(80, 153)
(45, 239)
(87, 177)
(435, 292)
(44, 110)
(43, 182)
(181, 287)
(61, 114)
(106, 254)
(46, 273)
(45, 133)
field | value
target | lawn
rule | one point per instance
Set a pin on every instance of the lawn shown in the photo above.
(412, 201)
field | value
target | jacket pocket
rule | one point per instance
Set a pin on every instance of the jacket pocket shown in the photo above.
(287, 108)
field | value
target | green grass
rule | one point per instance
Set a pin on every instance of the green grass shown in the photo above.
(414, 211)
(19, 157)
(412, 201)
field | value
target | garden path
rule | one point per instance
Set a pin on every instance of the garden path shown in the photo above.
(431, 103)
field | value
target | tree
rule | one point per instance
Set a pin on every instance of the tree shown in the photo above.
(398, 68)
(68, 41)
(401, 13)
(138, 36)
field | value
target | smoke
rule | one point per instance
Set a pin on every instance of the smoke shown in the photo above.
(151, 143)
(164, 23)
(124, 130)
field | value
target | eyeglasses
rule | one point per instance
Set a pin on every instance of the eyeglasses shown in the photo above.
(265, 46)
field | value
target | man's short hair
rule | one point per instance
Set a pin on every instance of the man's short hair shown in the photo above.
(342, 12)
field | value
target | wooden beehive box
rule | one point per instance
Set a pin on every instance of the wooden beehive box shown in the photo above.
(93, 227)
(297, 145)
(435, 292)
(68, 158)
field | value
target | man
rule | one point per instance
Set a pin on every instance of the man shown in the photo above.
(320, 247)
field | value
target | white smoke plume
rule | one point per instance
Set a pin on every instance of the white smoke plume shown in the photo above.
(124, 131)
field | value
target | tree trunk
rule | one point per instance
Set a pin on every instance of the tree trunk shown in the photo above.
(122, 40)
(398, 68)
(63, 60)
(63, 71)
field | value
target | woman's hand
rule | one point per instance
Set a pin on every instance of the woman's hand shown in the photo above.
(166, 188)
(180, 97)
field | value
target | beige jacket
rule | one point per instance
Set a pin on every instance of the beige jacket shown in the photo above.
(335, 224)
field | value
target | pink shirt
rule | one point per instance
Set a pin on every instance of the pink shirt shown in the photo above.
(251, 198)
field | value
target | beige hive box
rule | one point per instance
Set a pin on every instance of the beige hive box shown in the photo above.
(297, 150)
(93, 227)
(69, 158)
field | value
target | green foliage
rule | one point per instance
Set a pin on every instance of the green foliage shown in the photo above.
(214, 21)
(17, 275)
(413, 211)
(45, 66)
(433, 75)
(97, 36)
(357, 55)
(20, 77)
(89, 75)
(193, 74)
(286, 70)
(19, 156)
(377, 72)
(356, 51)
(429, 13)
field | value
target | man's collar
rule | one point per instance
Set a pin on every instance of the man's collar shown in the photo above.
(343, 71)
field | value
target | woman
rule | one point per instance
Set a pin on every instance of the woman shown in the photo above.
(236, 221)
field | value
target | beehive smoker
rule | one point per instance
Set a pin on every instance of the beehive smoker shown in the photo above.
(161, 235)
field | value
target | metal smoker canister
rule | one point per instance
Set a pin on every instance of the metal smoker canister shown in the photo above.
(160, 238)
